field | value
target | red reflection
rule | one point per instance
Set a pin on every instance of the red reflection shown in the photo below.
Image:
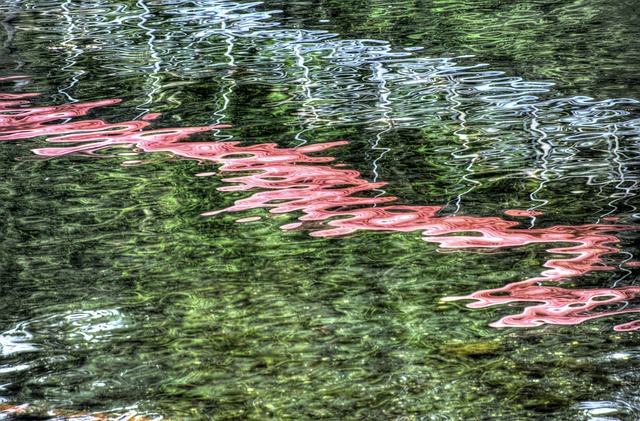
(333, 202)
(519, 212)
(557, 305)
(25, 123)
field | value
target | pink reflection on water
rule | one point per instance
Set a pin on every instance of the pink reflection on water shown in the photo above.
(556, 305)
(518, 212)
(333, 201)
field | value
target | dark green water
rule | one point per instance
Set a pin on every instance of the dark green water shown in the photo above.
(119, 296)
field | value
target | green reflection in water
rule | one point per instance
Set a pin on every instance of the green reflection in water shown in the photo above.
(116, 293)
(587, 46)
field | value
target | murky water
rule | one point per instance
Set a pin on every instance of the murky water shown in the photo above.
(319, 210)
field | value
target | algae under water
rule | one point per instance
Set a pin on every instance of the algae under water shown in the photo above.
(277, 221)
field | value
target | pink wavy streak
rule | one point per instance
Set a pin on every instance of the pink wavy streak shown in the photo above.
(556, 305)
(290, 180)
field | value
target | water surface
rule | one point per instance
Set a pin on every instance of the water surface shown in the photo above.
(281, 210)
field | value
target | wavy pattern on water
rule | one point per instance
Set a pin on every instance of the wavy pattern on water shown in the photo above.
(440, 130)
(556, 305)
(289, 180)
(485, 125)
(22, 123)
(29, 412)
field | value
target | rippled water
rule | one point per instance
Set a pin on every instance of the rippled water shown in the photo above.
(279, 210)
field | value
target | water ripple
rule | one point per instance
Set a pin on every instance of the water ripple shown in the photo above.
(289, 180)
